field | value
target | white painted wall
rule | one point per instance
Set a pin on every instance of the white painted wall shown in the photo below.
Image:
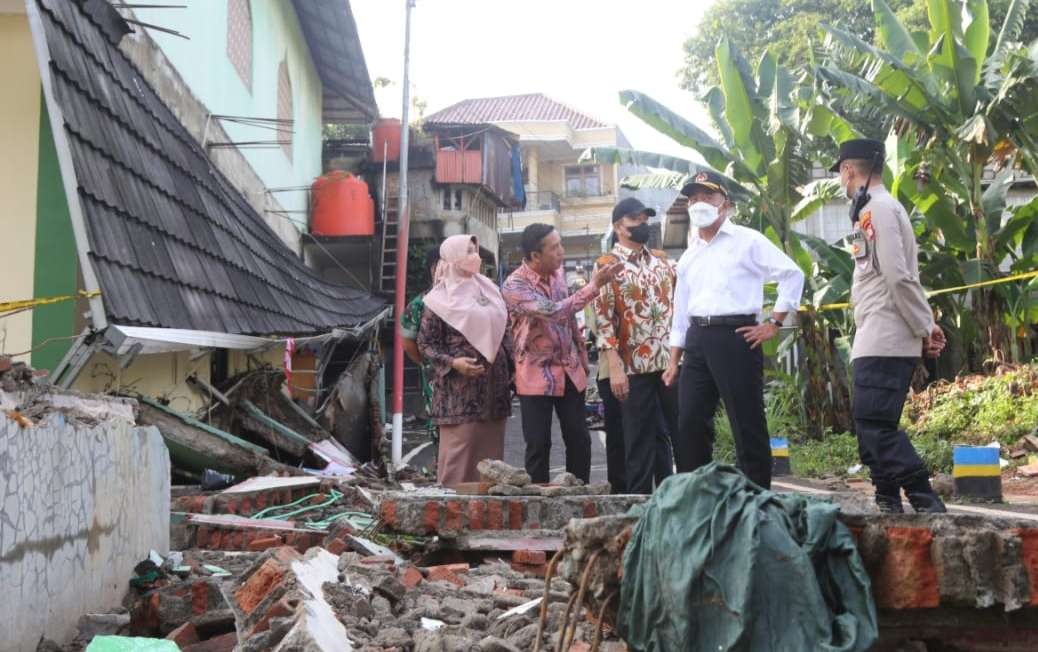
(79, 508)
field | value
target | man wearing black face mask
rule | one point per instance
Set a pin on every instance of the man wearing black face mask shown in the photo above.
(633, 316)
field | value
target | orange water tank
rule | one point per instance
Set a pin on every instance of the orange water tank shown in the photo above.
(341, 205)
(385, 140)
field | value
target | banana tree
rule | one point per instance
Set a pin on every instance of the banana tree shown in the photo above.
(960, 103)
(768, 124)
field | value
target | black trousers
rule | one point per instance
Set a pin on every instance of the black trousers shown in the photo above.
(718, 364)
(880, 388)
(664, 420)
(536, 413)
(614, 430)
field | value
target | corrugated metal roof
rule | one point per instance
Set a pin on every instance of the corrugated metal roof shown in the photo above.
(513, 108)
(172, 242)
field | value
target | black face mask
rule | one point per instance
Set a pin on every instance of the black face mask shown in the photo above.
(640, 233)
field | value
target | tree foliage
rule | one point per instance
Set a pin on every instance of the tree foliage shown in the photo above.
(789, 28)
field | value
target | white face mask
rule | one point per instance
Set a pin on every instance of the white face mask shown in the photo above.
(702, 214)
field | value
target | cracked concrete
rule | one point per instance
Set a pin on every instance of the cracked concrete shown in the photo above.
(79, 508)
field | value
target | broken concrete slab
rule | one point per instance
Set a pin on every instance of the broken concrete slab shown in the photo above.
(508, 541)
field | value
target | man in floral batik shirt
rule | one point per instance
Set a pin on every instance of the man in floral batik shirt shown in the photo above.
(550, 354)
(633, 318)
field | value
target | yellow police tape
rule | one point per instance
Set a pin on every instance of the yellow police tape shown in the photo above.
(934, 293)
(25, 304)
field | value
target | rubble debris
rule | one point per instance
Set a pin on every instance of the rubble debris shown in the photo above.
(27, 401)
(498, 473)
(351, 412)
(16, 377)
(567, 479)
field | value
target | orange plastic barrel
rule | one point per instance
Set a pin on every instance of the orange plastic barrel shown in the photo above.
(385, 140)
(341, 205)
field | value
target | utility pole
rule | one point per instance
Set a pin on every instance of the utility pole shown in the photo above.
(401, 252)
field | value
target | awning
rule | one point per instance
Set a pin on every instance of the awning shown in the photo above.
(124, 339)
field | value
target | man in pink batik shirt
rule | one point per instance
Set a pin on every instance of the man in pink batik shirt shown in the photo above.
(550, 354)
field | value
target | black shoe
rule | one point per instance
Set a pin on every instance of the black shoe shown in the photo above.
(889, 504)
(926, 503)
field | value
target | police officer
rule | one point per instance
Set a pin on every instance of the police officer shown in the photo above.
(894, 327)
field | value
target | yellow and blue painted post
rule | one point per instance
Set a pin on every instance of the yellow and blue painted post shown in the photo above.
(780, 457)
(977, 473)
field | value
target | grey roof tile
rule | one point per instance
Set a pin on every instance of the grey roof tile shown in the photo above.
(172, 242)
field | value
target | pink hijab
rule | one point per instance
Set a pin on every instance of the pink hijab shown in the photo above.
(472, 305)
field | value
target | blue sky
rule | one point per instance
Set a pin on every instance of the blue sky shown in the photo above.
(581, 52)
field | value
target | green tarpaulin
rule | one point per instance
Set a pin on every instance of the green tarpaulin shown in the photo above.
(717, 563)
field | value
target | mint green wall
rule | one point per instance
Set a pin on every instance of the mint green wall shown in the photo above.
(57, 263)
(203, 64)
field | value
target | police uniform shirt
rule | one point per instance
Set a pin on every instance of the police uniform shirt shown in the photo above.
(890, 308)
(726, 276)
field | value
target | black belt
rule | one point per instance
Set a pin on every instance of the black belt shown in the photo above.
(724, 320)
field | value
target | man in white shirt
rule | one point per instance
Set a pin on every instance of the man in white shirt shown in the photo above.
(716, 338)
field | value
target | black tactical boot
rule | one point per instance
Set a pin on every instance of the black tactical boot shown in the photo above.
(890, 504)
(926, 502)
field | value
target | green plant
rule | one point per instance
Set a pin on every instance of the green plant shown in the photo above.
(960, 102)
(833, 455)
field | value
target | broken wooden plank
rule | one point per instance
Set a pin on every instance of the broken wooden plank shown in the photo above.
(263, 482)
(209, 390)
(275, 433)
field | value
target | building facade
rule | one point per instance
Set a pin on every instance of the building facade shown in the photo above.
(574, 196)
(137, 186)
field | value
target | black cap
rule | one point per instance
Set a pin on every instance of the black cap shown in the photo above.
(631, 206)
(859, 148)
(708, 180)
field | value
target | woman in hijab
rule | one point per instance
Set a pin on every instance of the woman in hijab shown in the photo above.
(464, 339)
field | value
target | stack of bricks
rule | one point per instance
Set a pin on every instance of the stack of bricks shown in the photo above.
(246, 503)
(266, 592)
(423, 515)
(242, 537)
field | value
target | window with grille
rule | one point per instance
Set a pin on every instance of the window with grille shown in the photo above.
(583, 181)
(239, 39)
(285, 108)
